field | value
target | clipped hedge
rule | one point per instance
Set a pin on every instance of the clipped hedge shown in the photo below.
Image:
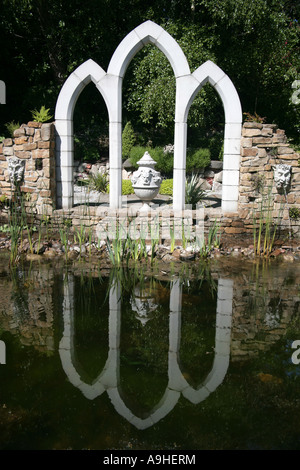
(126, 188)
(166, 187)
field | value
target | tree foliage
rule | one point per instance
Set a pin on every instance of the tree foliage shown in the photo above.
(256, 44)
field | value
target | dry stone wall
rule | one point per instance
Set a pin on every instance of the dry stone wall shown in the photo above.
(33, 143)
(263, 148)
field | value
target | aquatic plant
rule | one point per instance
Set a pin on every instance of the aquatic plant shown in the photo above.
(79, 237)
(64, 237)
(212, 240)
(264, 231)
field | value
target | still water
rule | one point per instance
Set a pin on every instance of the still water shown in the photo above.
(197, 357)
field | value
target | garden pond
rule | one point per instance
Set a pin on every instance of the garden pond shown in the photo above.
(187, 356)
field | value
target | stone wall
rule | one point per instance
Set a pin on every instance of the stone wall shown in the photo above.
(35, 143)
(263, 147)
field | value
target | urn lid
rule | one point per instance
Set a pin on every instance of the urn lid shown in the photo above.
(146, 160)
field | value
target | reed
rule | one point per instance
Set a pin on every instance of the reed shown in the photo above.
(264, 228)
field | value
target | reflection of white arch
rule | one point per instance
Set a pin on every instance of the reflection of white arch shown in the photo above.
(108, 379)
(110, 86)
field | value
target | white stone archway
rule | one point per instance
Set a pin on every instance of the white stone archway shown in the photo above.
(186, 90)
(110, 86)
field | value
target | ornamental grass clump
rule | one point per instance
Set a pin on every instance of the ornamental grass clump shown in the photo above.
(98, 182)
(193, 192)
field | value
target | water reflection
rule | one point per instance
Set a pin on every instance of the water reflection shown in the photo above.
(109, 379)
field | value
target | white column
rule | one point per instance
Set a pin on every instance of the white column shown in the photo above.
(180, 140)
(64, 163)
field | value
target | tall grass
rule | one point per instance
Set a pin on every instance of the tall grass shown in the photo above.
(264, 226)
(212, 240)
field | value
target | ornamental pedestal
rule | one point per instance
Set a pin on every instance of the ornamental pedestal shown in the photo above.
(146, 180)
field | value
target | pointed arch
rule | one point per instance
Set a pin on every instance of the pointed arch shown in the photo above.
(146, 33)
(187, 88)
(67, 98)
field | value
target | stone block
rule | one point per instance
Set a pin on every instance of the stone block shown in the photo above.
(21, 140)
(234, 230)
(267, 131)
(262, 140)
(45, 193)
(19, 132)
(30, 146)
(18, 148)
(40, 153)
(279, 139)
(285, 149)
(253, 132)
(262, 152)
(34, 124)
(44, 145)
(31, 178)
(29, 131)
(252, 125)
(249, 152)
(8, 151)
(7, 142)
(22, 154)
(46, 131)
(246, 142)
(25, 189)
(37, 135)
(43, 183)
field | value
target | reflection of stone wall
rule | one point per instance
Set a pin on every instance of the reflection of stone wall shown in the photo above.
(263, 309)
(35, 143)
(27, 310)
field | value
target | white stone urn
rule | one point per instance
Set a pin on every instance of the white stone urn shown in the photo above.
(146, 180)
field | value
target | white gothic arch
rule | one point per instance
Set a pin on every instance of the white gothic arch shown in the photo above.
(110, 86)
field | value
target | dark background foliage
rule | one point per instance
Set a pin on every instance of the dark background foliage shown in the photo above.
(255, 42)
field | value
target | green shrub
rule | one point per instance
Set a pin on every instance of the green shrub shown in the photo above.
(294, 213)
(166, 187)
(126, 188)
(197, 159)
(42, 115)
(128, 140)
(164, 161)
(11, 127)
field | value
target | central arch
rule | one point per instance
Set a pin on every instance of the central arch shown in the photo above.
(109, 85)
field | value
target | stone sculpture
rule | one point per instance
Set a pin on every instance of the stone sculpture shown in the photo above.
(282, 177)
(16, 168)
